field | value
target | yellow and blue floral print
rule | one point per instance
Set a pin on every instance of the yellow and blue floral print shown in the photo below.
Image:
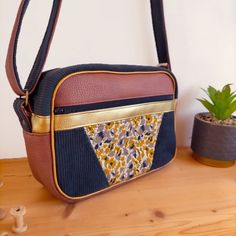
(125, 148)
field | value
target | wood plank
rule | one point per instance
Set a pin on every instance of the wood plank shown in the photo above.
(185, 198)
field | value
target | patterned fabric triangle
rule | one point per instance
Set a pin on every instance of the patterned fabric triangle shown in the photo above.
(125, 148)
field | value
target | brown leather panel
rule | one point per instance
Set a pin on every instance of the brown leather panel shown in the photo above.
(38, 148)
(101, 87)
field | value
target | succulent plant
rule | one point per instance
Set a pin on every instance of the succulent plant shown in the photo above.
(221, 103)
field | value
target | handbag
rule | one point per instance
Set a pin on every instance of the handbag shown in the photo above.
(89, 128)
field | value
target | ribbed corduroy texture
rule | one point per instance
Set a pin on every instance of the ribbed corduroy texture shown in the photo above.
(24, 121)
(78, 170)
(166, 142)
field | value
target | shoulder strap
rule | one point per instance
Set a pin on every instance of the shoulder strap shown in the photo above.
(11, 66)
(159, 28)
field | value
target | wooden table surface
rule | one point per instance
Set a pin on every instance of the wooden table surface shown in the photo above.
(185, 198)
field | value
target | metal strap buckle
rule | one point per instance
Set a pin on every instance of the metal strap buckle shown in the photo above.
(26, 97)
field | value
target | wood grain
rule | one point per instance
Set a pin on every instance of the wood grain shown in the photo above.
(185, 198)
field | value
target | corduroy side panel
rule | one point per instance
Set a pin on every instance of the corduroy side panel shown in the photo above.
(166, 142)
(78, 170)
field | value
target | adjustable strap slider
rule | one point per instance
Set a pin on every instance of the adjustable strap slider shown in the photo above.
(26, 98)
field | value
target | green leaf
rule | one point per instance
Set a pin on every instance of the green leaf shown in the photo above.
(232, 108)
(226, 89)
(212, 92)
(207, 105)
(232, 97)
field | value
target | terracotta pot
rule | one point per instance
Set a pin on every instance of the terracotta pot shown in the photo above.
(213, 144)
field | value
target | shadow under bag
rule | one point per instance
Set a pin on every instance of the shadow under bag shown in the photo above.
(91, 127)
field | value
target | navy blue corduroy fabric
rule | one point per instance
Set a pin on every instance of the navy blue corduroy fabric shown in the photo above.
(78, 169)
(41, 98)
(24, 120)
(166, 142)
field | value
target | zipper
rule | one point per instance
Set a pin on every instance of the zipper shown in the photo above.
(110, 104)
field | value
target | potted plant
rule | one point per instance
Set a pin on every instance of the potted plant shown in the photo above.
(214, 132)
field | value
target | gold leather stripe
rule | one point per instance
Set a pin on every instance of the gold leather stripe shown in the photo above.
(41, 124)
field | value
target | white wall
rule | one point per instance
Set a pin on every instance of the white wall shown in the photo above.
(202, 40)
